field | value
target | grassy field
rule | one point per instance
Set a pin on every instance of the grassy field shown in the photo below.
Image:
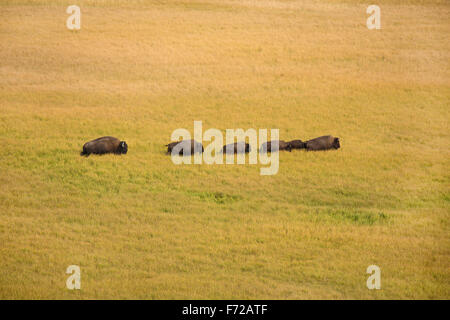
(141, 227)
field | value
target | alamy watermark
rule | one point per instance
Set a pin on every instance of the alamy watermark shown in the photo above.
(74, 280)
(374, 21)
(214, 153)
(374, 281)
(73, 22)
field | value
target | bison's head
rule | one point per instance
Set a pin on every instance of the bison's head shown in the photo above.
(123, 147)
(336, 143)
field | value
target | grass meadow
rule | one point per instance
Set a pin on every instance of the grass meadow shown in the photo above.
(141, 227)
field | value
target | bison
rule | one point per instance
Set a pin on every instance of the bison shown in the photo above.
(323, 143)
(282, 145)
(237, 147)
(185, 147)
(297, 144)
(104, 145)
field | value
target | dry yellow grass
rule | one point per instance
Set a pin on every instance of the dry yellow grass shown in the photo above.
(141, 227)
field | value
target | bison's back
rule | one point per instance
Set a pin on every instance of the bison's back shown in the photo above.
(297, 144)
(322, 143)
(101, 146)
(270, 146)
(237, 147)
(185, 147)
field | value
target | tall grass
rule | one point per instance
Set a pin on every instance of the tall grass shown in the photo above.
(141, 227)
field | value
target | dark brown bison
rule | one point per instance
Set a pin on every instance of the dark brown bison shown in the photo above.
(297, 144)
(185, 147)
(104, 145)
(237, 147)
(268, 146)
(323, 143)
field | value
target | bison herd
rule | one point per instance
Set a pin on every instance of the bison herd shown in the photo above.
(113, 145)
(317, 144)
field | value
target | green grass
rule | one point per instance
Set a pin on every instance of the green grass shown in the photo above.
(141, 227)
